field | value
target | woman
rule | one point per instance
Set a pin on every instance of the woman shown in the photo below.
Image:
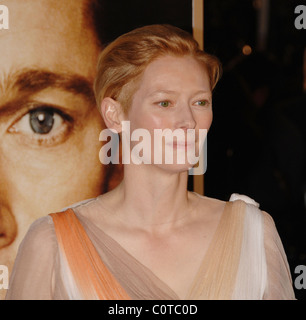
(150, 238)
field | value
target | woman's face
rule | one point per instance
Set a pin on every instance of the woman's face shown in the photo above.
(174, 93)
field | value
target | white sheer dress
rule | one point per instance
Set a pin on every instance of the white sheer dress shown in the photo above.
(245, 260)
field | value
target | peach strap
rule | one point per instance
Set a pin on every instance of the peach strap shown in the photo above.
(91, 277)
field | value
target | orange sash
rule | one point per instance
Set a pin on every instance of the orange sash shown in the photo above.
(90, 276)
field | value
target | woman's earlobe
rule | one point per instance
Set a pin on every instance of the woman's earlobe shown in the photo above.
(111, 110)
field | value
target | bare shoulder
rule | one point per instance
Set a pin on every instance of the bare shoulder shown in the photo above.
(208, 207)
(270, 230)
(268, 220)
(100, 210)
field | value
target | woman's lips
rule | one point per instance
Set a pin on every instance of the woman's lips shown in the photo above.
(181, 145)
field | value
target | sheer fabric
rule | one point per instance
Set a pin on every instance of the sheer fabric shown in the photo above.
(245, 260)
(82, 270)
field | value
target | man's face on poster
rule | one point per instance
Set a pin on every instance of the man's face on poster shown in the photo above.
(49, 124)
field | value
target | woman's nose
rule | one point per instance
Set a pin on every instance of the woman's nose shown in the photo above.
(185, 118)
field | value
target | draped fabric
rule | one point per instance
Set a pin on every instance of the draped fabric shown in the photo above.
(66, 256)
(83, 271)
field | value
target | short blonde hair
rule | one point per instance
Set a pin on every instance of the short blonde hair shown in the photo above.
(123, 61)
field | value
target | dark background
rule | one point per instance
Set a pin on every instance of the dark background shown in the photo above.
(256, 145)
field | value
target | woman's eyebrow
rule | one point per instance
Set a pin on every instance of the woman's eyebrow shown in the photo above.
(160, 92)
(27, 82)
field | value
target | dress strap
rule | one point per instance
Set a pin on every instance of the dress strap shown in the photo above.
(216, 277)
(83, 272)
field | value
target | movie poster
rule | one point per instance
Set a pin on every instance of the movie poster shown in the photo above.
(49, 122)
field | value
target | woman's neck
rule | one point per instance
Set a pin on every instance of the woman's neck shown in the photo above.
(152, 197)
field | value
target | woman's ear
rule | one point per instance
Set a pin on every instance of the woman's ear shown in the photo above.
(111, 111)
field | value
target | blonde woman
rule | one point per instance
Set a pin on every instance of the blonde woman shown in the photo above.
(150, 238)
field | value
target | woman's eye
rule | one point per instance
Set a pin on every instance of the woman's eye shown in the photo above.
(202, 103)
(43, 125)
(164, 104)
